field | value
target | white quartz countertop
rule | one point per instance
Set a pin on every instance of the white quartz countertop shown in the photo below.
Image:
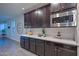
(52, 39)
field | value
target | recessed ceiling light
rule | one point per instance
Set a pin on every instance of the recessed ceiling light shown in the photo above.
(23, 8)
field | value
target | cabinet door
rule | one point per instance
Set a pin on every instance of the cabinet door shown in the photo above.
(55, 7)
(27, 20)
(31, 19)
(27, 43)
(43, 15)
(22, 42)
(34, 19)
(39, 13)
(40, 47)
(46, 16)
(67, 50)
(67, 5)
(47, 22)
(50, 49)
(38, 18)
(32, 45)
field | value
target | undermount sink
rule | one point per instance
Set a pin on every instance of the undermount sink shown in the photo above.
(41, 35)
(58, 37)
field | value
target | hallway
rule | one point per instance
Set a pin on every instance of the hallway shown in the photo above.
(12, 48)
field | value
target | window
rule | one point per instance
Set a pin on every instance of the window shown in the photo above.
(2, 27)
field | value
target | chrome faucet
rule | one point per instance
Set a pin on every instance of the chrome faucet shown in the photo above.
(43, 32)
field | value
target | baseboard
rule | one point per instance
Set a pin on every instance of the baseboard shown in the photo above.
(13, 40)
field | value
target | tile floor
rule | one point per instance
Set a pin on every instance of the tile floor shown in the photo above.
(12, 48)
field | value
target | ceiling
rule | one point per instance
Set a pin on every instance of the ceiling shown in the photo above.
(8, 10)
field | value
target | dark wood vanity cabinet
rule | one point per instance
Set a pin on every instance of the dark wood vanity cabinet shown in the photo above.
(47, 48)
(27, 40)
(34, 19)
(27, 20)
(58, 49)
(39, 13)
(38, 18)
(40, 47)
(22, 42)
(32, 45)
(67, 51)
(46, 16)
(50, 49)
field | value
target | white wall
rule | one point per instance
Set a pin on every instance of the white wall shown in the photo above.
(67, 33)
(12, 32)
(77, 29)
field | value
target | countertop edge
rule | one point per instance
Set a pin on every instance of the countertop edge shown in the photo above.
(74, 43)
